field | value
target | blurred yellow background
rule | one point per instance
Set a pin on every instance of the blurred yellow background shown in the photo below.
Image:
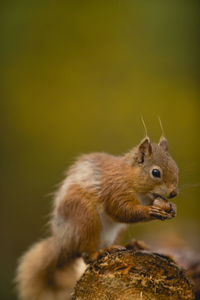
(76, 77)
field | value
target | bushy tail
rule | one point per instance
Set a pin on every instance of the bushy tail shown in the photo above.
(39, 278)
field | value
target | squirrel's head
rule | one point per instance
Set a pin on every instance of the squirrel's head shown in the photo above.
(155, 171)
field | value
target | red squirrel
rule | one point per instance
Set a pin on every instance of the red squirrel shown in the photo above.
(99, 197)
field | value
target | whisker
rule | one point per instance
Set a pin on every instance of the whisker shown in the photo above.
(189, 186)
(181, 192)
(188, 167)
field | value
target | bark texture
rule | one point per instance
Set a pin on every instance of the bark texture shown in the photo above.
(127, 274)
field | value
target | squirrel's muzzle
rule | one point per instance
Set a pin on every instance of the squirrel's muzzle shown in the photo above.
(173, 194)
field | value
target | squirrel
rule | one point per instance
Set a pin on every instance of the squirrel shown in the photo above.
(99, 197)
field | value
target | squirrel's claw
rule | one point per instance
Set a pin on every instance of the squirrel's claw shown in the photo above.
(172, 209)
(109, 250)
(159, 213)
(136, 245)
(101, 253)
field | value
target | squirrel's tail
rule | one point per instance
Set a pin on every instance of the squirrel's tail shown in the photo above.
(39, 278)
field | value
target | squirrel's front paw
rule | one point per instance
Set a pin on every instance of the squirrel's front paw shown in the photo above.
(109, 250)
(172, 210)
(101, 253)
(159, 213)
(165, 205)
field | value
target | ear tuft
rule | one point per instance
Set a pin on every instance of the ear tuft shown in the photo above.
(145, 149)
(164, 144)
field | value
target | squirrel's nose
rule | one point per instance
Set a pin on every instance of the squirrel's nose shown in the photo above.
(173, 194)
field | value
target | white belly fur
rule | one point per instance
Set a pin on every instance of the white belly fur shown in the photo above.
(109, 231)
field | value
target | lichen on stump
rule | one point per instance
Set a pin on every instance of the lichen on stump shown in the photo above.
(126, 275)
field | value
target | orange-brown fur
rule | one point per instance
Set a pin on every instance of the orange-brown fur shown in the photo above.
(101, 193)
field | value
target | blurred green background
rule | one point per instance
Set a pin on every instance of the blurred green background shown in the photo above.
(76, 77)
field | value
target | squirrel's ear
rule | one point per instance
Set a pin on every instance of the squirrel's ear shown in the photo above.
(145, 149)
(164, 144)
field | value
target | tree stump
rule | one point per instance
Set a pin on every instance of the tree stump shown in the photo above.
(127, 274)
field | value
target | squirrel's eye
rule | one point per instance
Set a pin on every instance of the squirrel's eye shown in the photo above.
(156, 173)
